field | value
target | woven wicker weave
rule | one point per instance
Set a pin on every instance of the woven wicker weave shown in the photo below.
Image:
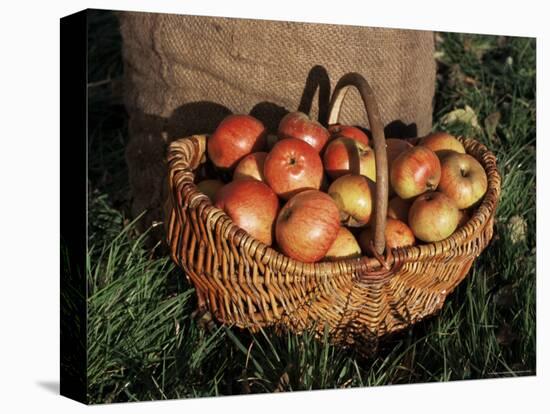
(246, 283)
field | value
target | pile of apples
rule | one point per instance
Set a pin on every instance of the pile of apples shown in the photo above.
(309, 191)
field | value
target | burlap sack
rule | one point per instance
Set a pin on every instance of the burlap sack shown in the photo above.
(184, 74)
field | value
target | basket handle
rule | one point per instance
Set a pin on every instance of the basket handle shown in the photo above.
(381, 160)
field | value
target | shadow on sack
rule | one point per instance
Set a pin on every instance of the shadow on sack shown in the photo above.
(151, 135)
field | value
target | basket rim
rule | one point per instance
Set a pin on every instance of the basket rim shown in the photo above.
(378, 268)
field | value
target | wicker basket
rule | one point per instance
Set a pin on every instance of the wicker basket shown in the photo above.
(245, 283)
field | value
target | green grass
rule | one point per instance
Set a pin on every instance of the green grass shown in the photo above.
(145, 343)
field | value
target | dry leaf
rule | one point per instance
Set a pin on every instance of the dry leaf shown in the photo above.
(439, 55)
(468, 80)
(465, 116)
(517, 226)
(467, 44)
(502, 41)
(506, 335)
(204, 320)
(491, 123)
(456, 76)
(284, 380)
(505, 296)
(478, 48)
(177, 326)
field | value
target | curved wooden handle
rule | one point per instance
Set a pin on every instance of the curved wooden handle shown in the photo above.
(377, 129)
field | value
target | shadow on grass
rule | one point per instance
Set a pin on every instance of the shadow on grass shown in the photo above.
(472, 337)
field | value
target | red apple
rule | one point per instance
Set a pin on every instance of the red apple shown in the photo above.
(397, 234)
(414, 172)
(293, 166)
(354, 199)
(394, 148)
(210, 188)
(441, 143)
(338, 130)
(300, 126)
(347, 156)
(344, 247)
(252, 206)
(307, 226)
(433, 216)
(399, 209)
(235, 137)
(251, 167)
(463, 179)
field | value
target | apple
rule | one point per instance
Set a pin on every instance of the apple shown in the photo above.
(394, 148)
(307, 226)
(251, 167)
(353, 197)
(442, 143)
(236, 136)
(414, 172)
(344, 247)
(341, 151)
(397, 234)
(463, 179)
(399, 209)
(338, 130)
(433, 216)
(293, 166)
(300, 126)
(348, 156)
(210, 188)
(252, 206)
